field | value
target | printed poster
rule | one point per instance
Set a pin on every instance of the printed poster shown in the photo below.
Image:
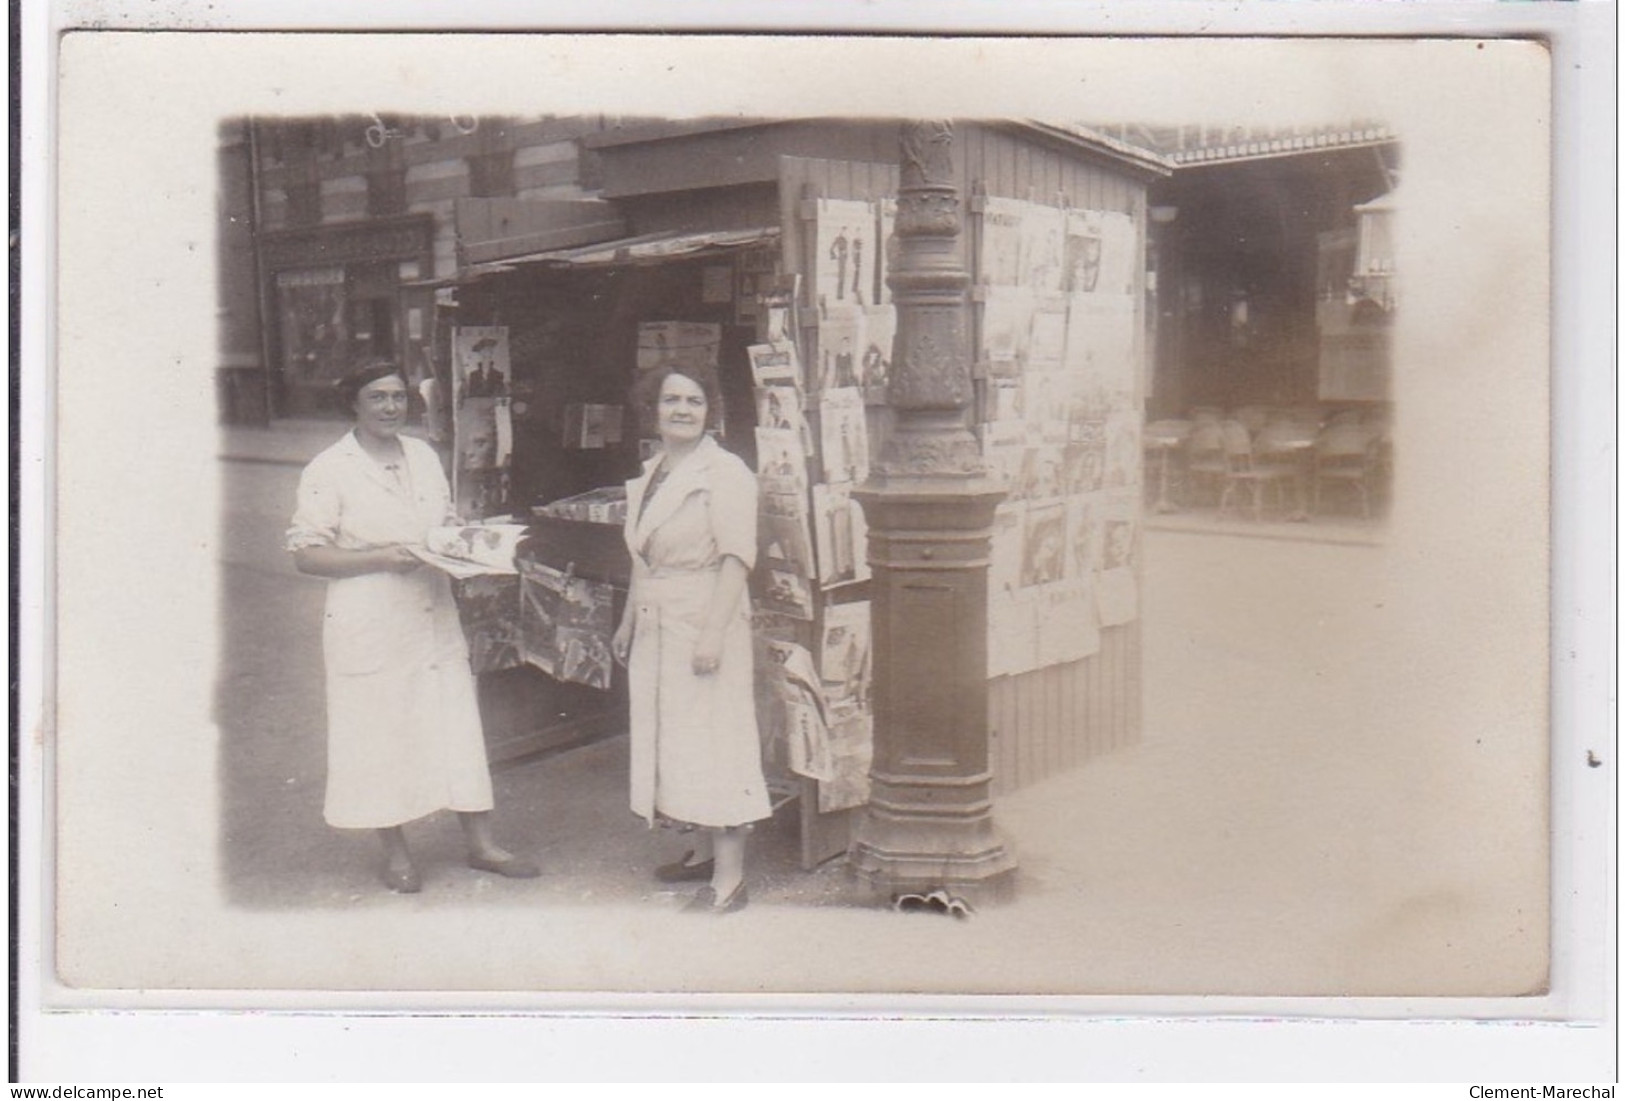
(852, 746)
(1100, 346)
(1003, 450)
(844, 656)
(840, 347)
(1000, 262)
(845, 434)
(1007, 315)
(844, 254)
(781, 461)
(1117, 591)
(1041, 474)
(688, 343)
(484, 451)
(842, 536)
(592, 427)
(1012, 645)
(775, 364)
(1068, 629)
(1082, 538)
(787, 592)
(1124, 456)
(1042, 228)
(784, 532)
(1043, 556)
(874, 365)
(480, 366)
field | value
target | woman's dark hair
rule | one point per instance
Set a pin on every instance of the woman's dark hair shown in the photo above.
(646, 392)
(350, 386)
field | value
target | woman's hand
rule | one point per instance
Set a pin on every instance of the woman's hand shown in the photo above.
(339, 562)
(621, 644)
(708, 652)
(397, 559)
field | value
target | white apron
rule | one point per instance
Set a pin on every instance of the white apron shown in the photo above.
(403, 728)
(696, 753)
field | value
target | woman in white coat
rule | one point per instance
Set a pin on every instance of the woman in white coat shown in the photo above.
(403, 728)
(686, 639)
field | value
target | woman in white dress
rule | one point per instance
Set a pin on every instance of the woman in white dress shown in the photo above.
(686, 639)
(403, 728)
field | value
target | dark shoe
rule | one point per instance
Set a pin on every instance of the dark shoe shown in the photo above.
(706, 902)
(510, 867)
(680, 871)
(403, 881)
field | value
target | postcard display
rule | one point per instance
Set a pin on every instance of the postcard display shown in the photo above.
(1060, 427)
(812, 446)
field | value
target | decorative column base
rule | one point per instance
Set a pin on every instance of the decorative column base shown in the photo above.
(914, 839)
(929, 821)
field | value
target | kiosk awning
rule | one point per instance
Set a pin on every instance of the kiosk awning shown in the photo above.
(648, 248)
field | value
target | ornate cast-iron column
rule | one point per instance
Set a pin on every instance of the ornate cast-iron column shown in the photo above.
(929, 506)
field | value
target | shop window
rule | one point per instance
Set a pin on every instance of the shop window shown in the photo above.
(386, 192)
(305, 203)
(490, 175)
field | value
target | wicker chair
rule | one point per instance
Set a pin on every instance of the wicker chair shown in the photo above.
(1346, 454)
(1246, 471)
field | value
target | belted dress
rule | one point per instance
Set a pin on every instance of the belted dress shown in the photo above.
(696, 754)
(404, 737)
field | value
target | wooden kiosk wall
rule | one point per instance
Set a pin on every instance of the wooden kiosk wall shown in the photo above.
(1049, 720)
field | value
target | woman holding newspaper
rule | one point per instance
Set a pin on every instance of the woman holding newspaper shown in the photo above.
(686, 639)
(403, 730)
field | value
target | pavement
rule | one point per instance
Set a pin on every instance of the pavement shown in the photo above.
(1273, 832)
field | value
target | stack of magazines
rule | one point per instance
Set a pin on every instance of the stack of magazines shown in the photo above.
(596, 506)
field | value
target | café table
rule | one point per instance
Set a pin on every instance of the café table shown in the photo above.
(1165, 437)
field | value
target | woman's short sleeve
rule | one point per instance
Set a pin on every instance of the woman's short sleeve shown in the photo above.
(316, 510)
(733, 510)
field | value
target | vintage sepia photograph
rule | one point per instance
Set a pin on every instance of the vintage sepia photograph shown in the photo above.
(972, 539)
